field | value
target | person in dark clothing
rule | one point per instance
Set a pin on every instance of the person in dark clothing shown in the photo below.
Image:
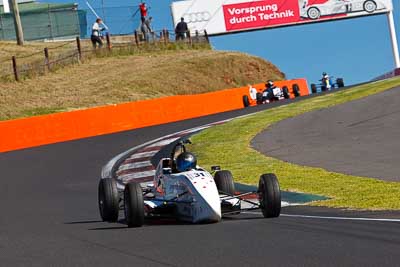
(96, 30)
(181, 30)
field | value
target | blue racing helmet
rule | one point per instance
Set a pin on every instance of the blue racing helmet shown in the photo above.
(186, 162)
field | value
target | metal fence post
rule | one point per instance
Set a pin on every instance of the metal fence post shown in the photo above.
(78, 46)
(50, 23)
(46, 58)
(15, 69)
(2, 26)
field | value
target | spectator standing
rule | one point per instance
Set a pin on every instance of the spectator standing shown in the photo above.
(143, 10)
(146, 29)
(181, 30)
(96, 33)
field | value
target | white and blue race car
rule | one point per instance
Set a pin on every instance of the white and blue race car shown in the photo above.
(186, 192)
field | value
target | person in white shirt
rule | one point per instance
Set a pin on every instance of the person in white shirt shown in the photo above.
(253, 92)
(96, 30)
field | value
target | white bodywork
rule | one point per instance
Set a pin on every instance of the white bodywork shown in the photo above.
(278, 93)
(193, 193)
(334, 7)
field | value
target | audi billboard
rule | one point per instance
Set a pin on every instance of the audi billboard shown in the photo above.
(227, 16)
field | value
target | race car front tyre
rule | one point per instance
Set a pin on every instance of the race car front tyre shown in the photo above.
(369, 6)
(224, 182)
(269, 195)
(313, 13)
(246, 101)
(286, 93)
(134, 205)
(296, 90)
(340, 82)
(313, 88)
(108, 200)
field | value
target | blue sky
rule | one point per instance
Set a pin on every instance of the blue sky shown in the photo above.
(356, 49)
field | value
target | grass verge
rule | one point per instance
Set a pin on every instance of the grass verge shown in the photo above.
(228, 145)
(124, 78)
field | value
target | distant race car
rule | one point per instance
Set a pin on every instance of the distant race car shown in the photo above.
(333, 7)
(327, 84)
(258, 97)
(186, 192)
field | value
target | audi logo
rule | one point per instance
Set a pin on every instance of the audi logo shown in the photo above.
(197, 17)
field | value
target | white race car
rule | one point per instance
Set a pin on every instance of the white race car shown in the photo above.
(186, 192)
(333, 7)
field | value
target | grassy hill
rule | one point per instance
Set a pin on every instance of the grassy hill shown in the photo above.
(110, 80)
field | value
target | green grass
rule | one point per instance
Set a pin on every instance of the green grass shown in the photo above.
(228, 145)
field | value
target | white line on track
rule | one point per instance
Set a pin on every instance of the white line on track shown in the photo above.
(164, 142)
(331, 217)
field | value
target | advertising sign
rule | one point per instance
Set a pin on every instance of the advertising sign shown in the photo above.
(226, 16)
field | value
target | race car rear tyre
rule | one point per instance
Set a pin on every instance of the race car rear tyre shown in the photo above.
(296, 90)
(269, 195)
(224, 182)
(369, 6)
(340, 82)
(313, 88)
(134, 205)
(285, 92)
(108, 200)
(246, 101)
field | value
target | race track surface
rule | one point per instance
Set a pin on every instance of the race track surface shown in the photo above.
(359, 138)
(50, 218)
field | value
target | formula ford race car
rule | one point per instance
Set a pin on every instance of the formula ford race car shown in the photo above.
(186, 192)
(327, 84)
(264, 96)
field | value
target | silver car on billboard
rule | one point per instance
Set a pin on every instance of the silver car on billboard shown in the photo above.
(312, 11)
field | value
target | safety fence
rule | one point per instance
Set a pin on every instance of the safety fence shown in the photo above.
(78, 50)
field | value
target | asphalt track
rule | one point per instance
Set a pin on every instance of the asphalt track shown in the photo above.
(50, 218)
(359, 138)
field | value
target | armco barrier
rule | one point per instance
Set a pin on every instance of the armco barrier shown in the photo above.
(65, 126)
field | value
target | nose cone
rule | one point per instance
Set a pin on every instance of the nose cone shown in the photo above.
(209, 203)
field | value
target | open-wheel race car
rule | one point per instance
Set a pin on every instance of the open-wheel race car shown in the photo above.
(186, 192)
(327, 84)
(268, 95)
